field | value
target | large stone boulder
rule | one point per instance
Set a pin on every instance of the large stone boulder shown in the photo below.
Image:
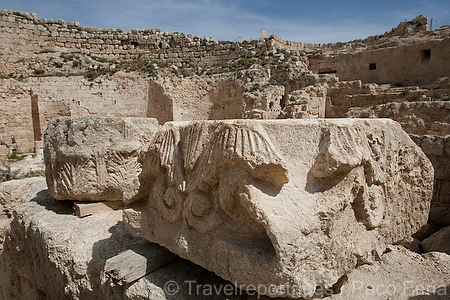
(51, 254)
(287, 207)
(95, 158)
(12, 193)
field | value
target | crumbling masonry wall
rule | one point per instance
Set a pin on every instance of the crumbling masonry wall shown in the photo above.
(172, 98)
(405, 55)
(409, 54)
(121, 95)
(39, 36)
(346, 95)
(416, 64)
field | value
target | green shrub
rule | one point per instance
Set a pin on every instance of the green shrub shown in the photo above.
(15, 156)
(7, 174)
(67, 57)
(32, 173)
(92, 73)
(254, 88)
(273, 81)
(162, 64)
(431, 86)
(39, 72)
(76, 63)
(99, 59)
(45, 51)
(185, 73)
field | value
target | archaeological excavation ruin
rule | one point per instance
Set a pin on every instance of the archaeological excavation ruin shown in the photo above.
(182, 167)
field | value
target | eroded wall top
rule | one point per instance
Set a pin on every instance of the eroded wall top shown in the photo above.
(39, 36)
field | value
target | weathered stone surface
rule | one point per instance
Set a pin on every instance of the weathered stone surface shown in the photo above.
(439, 241)
(399, 275)
(30, 164)
(51, 254)
(289, 205)
(12, 193)
(95, 158)
(416, 117)
(306, 103)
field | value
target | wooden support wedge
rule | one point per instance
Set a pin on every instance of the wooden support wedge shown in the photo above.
(84, 209)
(135, 263)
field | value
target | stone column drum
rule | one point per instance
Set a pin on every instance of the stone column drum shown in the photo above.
(283, 207)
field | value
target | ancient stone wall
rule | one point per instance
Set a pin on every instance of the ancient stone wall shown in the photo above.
(182, 99)
(123, 95)
(16, 123)
(279, 43)
(39, 36)
(344, 95)
(408, 60)
(419, 117)
(58, 48)
(417, 64)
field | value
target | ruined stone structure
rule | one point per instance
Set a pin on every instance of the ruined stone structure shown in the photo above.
(259, 202)
(348, 96)
(408, 55)
(155, 121)
(58, 72)
(427, 123)
(122, 95)
(37, 37)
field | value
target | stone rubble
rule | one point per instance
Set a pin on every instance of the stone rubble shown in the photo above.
(12, 193)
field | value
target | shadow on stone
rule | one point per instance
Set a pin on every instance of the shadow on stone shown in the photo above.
(180, 279)
(433, 293)
(60, 207)
(119, 240)
(183, 279)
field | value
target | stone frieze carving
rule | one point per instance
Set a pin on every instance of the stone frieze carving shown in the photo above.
(291, 205)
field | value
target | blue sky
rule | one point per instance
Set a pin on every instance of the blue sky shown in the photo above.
(301, 21)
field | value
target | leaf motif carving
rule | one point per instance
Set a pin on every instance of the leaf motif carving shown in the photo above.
(122, 168)
(199, 155)
(71, 172)
(166, 145)
(248, 144)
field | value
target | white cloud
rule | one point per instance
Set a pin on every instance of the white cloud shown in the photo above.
(228, 21)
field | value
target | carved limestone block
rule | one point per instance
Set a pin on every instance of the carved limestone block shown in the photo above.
(95, 158)
(286, 207)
